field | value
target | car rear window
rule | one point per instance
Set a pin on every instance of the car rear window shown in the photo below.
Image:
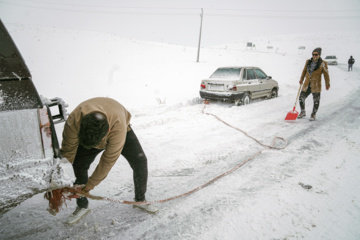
(227, 73)
(18, 94)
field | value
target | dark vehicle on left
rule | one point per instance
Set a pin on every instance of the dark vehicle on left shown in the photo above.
(28, 144)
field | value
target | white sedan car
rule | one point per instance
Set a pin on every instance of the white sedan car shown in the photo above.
(238, 84)
(331, 60)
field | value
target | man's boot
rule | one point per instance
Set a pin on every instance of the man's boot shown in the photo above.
(147, 208)
(77, 215)
(302, 114)
(313, 117)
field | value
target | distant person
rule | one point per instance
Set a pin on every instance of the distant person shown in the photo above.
(351, 62)
(96, 125)
(314, 68)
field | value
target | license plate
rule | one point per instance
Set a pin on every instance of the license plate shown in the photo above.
(216, 87)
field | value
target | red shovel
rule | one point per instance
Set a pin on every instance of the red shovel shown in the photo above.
(292, 115)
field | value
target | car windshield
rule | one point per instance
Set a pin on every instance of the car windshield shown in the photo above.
(227, 73)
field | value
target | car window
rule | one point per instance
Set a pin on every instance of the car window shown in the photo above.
(260, 74)
(227, 73)
(250, 74)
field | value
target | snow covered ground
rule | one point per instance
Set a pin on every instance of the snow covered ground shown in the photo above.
(264, 199)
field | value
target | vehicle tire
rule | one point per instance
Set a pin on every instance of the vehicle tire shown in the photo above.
(246, 99)
(274, 93)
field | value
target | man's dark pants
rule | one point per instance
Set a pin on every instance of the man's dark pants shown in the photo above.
(350, 67)
(316, 98)
(133, 153)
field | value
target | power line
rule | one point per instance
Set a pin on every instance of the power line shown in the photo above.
(178, 8)
(268, 10)
(189, 11)
(97, 11)
(285, 17)
(91, 6)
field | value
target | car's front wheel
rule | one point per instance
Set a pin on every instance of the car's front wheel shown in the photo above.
(274, 93)
(246, 99)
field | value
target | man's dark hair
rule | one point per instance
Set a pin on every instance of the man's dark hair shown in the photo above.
(93, 128)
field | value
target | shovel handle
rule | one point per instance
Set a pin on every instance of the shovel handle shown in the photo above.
(297, 96)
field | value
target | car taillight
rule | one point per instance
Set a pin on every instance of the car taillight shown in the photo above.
(233, 88)
(202, 86)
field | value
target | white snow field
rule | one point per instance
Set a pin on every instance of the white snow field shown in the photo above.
(265, 198)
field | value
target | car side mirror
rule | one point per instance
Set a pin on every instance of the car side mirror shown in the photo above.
(268, 77)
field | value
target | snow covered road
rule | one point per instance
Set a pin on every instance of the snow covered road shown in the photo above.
(264, 199)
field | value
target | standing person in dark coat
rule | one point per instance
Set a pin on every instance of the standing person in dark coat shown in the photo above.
(351, 62)
(314, 68)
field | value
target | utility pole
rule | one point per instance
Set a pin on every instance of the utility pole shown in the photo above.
(198, 54)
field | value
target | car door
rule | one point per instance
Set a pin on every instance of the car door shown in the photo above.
(251, 83)
(264, 84)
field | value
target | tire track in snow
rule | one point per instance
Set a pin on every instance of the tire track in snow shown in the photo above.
(345, 112)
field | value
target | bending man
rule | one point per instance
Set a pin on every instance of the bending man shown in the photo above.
(102, 125)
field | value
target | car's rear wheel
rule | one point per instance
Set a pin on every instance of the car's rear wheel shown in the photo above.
(274, 93)
(246, 99)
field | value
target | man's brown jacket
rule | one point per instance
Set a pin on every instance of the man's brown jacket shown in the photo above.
(118, 118)
(315, 77)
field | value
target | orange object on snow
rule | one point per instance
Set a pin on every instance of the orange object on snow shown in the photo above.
(292, 115)
(58, 197)
(56, 200)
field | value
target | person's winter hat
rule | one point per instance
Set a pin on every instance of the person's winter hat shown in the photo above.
(318, 50)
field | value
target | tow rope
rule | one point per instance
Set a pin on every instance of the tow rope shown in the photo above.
(58, 197)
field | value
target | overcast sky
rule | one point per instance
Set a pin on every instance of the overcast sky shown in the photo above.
(178, 22)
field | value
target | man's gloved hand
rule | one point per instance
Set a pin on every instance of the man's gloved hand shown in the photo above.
(80, 191)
